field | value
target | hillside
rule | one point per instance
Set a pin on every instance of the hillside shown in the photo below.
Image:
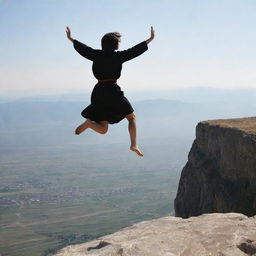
(57, 187)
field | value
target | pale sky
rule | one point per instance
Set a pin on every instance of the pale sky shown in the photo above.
(198, 43)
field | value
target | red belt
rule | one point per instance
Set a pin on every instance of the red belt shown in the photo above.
(107, 80)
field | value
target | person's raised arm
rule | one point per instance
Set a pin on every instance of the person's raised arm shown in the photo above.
(68, 31)
(137, 50)
(81, 48)
(152, 35)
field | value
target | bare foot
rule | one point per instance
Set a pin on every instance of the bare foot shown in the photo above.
(136, 150)
(81, 128)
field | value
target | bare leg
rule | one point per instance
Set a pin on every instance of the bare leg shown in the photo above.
(100, 127)
(132, 130)
(82, 127)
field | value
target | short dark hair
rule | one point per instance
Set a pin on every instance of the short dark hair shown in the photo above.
(110, 41)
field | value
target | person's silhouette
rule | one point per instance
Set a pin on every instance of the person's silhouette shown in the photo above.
(108, 103)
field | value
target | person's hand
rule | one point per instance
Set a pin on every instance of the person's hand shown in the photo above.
(152, 35)
(68, 32)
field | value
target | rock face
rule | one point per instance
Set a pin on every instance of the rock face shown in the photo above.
(220, 175)
(217, 234)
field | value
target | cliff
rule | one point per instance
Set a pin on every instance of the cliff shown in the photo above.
(220, 175)
(229, 234)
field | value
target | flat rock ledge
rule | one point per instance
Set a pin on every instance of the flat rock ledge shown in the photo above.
(215, 234)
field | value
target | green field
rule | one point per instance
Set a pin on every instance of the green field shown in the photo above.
(54, 196)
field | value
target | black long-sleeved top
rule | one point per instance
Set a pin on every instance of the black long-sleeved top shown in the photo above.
(108, 64)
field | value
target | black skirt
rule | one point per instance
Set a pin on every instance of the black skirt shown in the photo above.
(108, 103)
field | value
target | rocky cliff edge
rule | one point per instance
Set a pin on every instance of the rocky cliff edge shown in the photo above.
(220, 175)
(217, 234)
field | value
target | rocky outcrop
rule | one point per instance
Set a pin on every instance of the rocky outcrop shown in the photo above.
(229, 234)
(220, 175)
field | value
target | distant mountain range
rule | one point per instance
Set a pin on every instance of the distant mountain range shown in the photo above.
(189, 94)
(52, 119)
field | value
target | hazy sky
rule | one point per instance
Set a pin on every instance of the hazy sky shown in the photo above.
(198, 43)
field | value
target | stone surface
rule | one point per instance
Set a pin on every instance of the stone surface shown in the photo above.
(217, 234)
(220, 175)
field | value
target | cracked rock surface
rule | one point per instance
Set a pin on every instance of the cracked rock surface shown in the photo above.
(216, 234)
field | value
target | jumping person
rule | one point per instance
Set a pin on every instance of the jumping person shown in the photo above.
(108, 103)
